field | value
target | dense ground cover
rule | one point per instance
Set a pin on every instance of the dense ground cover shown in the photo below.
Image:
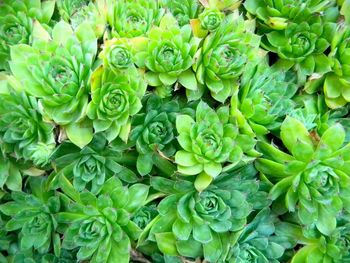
(175, 131)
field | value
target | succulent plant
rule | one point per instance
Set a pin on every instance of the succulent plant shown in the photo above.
(315, 246)
(16, 23)
(224, 54)
(117, 54)
(68, 8)
(145, 215)
(256, 242)
(33, 215)
(211, 19)
(115, 97)
(208, 142)
(182, 10)
(265, 97)
(194, 223)
(276, 15)
(174, 131)
(56, 69)
(302, 46)
(100, 226)
(23, 131)
(168, 55)
(91, 166)
(337, 83)
(92, 12)
(313, 112)
(154, 132)
(314, 177)
(132, 18)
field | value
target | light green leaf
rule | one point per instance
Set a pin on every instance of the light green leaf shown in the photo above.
(184, 158)
(202, 233)
(80, 133)
(137, 196)
(166, 243)
(188, 80)
(292, 131)
(144, 163)
(184, 123)
(212, 169)
(181, 229)
(326, 222)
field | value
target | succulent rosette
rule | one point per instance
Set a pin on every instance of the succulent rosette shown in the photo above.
(91, 166)
(198, 223)
(33, 216)
(211, 19)
(265, 97)
(257, 241)
(154, 132)
(22, 129)
(302, 46)
(145, 215)
(276, 15)
(209, 142)
(337, 83)
(101, 228)
(175, 131)
(16, 23)
(168, 54)
(133, 18)
(85, 11)
(67, 8)
(224, 55)
(312, 111)
(313, 178)
(56, 69)
(117, 54)
(182, 10)
(315, 246)
(115, 97)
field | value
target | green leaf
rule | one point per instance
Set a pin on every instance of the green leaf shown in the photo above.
(301, 255)
(68, 188)
(166, 243)
(80, 134)
(153, 79)
(281, 187)
(326, 222)
(212, 169)
(181, 229)
(203, 180)
(277, 39)
(213, 250)
(14, 180)
(167, 79)
(188, 80)
(332, 86)
(333, 137)
(120, 252)
(185, 158)
(184, 123)
(62, 32)
(144, 163)
(137, 196)
(202, 233)
(189, 248)
(292, 131)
